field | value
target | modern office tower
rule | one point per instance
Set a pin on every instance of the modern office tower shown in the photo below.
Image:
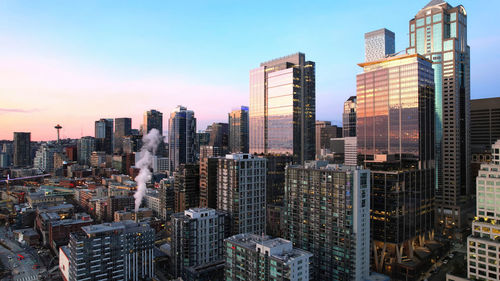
(22, 149)
(379, 44)
(198, 243)
(259, 257)
(238, 130)
(152, 120)
(241, 191)
(112, 251)
(439, 32)
(187, 187)
(208, 182)
(483, 247)
(484, 124)
(327, 212)
(181, 137)
(275, 180)
(349, 117)
(104, 135)
(395, 140)
(324, 132)
(123, 127)
(167, 198)
(283, 108)
(85, 146)
(44, 159)
(219, 136)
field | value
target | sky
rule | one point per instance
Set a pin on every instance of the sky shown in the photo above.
(74, 62)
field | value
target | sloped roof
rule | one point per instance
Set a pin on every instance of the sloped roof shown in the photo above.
(434, 3)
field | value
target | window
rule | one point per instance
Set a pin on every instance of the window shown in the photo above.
(436, 18)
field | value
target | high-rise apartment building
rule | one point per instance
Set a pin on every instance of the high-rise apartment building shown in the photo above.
(167, 198)
(85, 146)
(324, 132)
(241, 191)
(349, 117)
(283, 108)
(198, 244)
(327, 212)
(153, 119)
(439, 32)
(181, 137)
(123, 127)
(44, 159)
(379, 44)
(187, 187)
(238, 130)
(395, 140)
(256, 257)
(22, 149)
(483, 246)
(110, 251)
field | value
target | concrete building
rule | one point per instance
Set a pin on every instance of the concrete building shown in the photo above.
(44, 159)
(241, 191)
(483, 246)
(327, 212)
(208, 182)
(439, 32)
(181, 137)
(256, 257)
(142, 213)
(85, 146)
(379, 44)
(238, 130)
(167, 198)
(283, 108)
(324, 132)
(198, 243)
(112, 251)
(22, 149)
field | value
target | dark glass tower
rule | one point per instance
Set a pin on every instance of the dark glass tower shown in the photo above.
(283, 108)
(439, 32)
(22, 149)
(181, 136)
(153, 119)
(104, 135)
(349, 117)
(123, 127)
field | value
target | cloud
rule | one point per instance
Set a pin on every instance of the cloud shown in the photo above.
(17, 110)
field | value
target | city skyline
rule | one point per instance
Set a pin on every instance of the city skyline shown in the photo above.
(120, 62)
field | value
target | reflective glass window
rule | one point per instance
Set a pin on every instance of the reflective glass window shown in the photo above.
(420, 41)
(436, 18)
(437, 36)
(420, 22)
(448, 45)
(453, 30)
(453, 16)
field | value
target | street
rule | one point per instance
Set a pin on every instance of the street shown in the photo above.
(22, 270)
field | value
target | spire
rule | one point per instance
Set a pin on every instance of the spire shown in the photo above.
(434, 3)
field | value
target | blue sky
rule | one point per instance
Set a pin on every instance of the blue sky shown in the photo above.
(197, 53)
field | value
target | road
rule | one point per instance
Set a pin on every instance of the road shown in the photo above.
(22, 270)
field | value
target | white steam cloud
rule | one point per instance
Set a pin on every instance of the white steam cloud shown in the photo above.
(149, 144)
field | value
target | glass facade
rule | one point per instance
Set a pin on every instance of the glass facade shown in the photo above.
(444, 41)
(181, 137)
(282, 108)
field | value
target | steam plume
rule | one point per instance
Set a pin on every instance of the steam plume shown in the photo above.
(149, 144)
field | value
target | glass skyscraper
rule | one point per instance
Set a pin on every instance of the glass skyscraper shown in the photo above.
(181, 137)
(104, 135)
(153, 119)
(238, 130)
(395, 140)
(439, 32)
(349, 117)
(283, 107)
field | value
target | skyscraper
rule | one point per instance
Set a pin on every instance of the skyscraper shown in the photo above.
(85, 146)
(208, 182)
(198, 243)
(238, 130)
(395, 140)
(187, 186)
(439, 32)
(484, 124)
(327, 212)
(152, 120)
(379, 44)
(349, 117)
(104, 135)
(181, 137)
(241, 191)
(123, 127)
(283, 107)
(324, 132)
(219, 136)
(484, 243)
(22, 149)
